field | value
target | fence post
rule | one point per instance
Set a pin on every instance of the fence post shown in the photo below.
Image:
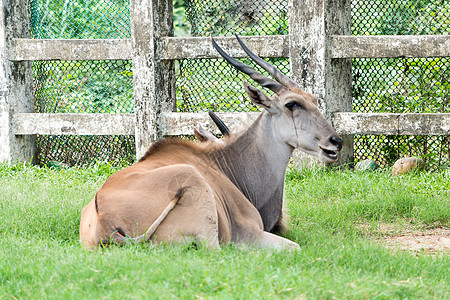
(153, 80)
(311, 22)
(16, 83)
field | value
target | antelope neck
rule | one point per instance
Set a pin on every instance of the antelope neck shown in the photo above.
(256, 162)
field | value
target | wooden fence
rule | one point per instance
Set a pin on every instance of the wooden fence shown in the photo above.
(319, 46)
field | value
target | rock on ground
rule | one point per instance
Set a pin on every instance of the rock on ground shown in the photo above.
(406, 165)
(366, 165)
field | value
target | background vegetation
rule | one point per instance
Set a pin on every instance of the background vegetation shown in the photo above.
(334, 218)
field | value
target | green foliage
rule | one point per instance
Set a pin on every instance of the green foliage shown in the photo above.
(222, 17)
(80, 19)
(180, 23)
(84, 86)
(404, 17)
(416, 17)
(408, 85)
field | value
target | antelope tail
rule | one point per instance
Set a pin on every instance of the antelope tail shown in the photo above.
(118, 238)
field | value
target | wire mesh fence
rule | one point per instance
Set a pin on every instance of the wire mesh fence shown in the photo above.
(379, 85)
(80, 19)
(401, 85)
(213, 84)
(89, 86)
(82, 86)
(74, 150)
(402, 17)
(243, 17)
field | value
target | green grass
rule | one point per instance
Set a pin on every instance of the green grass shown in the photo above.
(40, 256)
(339, 200)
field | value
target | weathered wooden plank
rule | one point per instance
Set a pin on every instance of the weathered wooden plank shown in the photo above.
(392, 123)
(425, 124)
(153, 79)
(74, 124)
(200, 47)
(16, 83)
(390, 46)
(174, 124)
(312, 67)
(88, 49)
(341, 46)
(365, 123)
(169, 48)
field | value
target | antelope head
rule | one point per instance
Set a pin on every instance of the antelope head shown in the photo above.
(296, 119)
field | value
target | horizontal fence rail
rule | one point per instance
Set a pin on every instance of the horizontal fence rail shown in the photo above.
(176, 124)
(378, 46)
(392, 123)
(169, 48)
(106, 49)
(200, 47)
(74, 124)
(173, 124)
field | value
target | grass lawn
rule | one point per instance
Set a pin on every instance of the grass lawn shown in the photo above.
(335, 216)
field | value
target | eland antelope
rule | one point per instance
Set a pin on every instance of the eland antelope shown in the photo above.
(210, 192)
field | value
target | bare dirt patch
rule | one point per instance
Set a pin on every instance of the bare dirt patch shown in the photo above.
(408, 238)
(430, 240)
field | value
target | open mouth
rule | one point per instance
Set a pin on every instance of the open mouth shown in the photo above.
(330, 153)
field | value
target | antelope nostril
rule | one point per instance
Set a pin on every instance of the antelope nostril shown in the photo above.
(337, 141)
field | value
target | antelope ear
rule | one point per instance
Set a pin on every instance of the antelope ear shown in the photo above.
(203, 135)
(257, 96)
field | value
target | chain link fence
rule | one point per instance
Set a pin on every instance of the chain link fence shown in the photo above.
(401, 85)
(82, 86)
(213, 84)
(379, 85)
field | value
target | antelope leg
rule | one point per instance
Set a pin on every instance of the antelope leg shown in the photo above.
(269, 240)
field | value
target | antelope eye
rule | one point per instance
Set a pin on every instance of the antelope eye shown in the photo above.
(292, 105)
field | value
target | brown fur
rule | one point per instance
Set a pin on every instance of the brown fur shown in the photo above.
(236, 188)
(219, 197)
